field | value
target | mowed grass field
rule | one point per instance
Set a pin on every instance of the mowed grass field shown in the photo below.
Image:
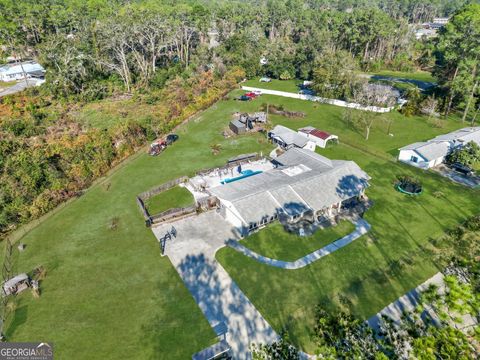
(417, 75)
(108, 293)
(371, 272)
(376, 269)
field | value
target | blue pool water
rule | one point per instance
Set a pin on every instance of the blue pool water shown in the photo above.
(245, 174)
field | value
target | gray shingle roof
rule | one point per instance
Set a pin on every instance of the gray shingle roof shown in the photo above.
(238, 124)
(464, 135)
(303, 180)
(288, 136)
(432, 151)
(429, 150)
(442, 144)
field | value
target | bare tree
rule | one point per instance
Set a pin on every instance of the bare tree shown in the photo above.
(114, 41)
(371, 95)
(429, 106)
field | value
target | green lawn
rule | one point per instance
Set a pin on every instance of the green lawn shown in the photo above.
(417, 75)
(176, 197)
(274, 242)
(405, 130)
(281, 85)
(371, 272)
(108, 294)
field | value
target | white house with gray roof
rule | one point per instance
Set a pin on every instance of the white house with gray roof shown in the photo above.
(433, 152)
(287, 138)
(18, 71)
(302, 184)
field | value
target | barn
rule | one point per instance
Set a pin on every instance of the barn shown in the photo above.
(321, 138)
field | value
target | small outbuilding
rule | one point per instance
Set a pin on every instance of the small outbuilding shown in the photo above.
(287, 138)
(16, 285)
(238, 127)
(321, 138)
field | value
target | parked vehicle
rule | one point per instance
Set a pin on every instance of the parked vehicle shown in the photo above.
(244, 98)
(171, 138)
(265, 79)
(463, 169)
(251, 95)
(159, 145)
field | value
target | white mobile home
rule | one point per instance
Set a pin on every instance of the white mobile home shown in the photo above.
(433, 152)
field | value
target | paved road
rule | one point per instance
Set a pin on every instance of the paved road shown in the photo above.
(361, 228)
(20, 86)
(405, 303)
(192, 253)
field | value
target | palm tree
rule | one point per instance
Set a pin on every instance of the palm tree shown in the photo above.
(216, 148)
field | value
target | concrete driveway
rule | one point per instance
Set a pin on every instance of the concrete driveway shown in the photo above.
(192, 253)
(20, 86)
(470, 181)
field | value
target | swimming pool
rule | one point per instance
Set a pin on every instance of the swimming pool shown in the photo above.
(245, 174)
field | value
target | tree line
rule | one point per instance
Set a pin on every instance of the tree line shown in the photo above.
(182, 55)
(85, 43)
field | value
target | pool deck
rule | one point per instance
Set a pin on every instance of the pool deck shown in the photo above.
(216, 176)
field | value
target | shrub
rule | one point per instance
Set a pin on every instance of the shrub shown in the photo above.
(286, 75)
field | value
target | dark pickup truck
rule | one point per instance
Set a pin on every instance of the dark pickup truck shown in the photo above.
(463, 169)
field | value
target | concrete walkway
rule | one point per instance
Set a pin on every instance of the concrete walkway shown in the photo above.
(192, 253)
(361, 228)
(406, 303)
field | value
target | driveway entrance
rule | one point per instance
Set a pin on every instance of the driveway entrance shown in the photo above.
(192, 253)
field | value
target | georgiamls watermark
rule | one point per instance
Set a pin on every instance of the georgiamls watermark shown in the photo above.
(26, 351)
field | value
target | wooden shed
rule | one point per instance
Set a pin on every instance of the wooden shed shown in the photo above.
(237, 127)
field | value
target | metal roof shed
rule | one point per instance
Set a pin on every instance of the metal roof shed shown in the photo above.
(237, 127)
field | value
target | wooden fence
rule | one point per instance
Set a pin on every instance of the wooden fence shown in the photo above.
(172, 214)
(161, 188)
(175, 213)
(231, 164)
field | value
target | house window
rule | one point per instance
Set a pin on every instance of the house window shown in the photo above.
(414, 159)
